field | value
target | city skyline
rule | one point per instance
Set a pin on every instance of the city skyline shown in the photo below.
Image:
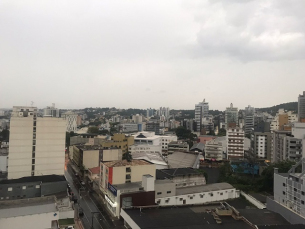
(164, 53)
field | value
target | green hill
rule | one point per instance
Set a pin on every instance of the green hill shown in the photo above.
(292, 106)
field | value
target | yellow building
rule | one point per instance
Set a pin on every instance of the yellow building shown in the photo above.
(120, 141)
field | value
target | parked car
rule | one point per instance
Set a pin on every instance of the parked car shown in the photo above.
(69, 227)
(82, 182)
(80, 211)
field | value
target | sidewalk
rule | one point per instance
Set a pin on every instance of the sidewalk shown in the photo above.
(113, 220)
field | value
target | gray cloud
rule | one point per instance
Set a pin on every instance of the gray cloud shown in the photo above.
(109, 53)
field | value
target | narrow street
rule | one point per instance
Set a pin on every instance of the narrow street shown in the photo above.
(86, 202)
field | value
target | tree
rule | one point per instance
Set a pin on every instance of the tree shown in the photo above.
(183, 133)
(222, 132)
(93, 130)
(127, 156)
(5, 134)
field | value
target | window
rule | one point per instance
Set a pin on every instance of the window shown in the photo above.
(295, 189)
(159, 193)
(221, 194)
(169, 192)
(294, 198)
(302, 201)
(23, 187)
(9, 189)
(191, 197)
(211, 194)
(30, 186)
(284, 184)
(303, 193)
(284, 193)
(37, 186)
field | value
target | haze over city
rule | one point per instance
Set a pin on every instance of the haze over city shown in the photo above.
(151, 53)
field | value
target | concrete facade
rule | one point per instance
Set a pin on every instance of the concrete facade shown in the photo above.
(301, 106)
(37, 145)
(235, 143)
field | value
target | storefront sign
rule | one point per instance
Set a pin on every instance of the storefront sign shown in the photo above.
(112, 189)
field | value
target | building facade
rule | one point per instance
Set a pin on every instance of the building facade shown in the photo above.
(201, 110)
(301, 107)
(235, 143)
(213, 150)
(231, 116)
(37, 144)
(71, 121)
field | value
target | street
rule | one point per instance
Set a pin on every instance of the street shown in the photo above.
(86, 202)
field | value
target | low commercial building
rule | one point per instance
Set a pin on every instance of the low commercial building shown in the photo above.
(120, 141)
(198, 194)
(30, 187)
(33, 213)
(89, 156)
(151, 153)
(178, 146)
(181, 177)
(129, 127)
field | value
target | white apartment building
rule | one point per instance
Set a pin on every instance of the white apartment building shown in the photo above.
(71, 121)
(150, 138)
(289, 192)
(301, 106)
(201, 110)
(137, 118)
(231, 116)
(37, 144)
(235, 143)
(213, 150)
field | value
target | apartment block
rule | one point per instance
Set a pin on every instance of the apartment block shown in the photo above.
(301, 107)
(201, 110)
(37, 144)
(235, 143)
(231, 116)
(213, 150)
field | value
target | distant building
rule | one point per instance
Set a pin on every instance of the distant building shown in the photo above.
(37, 144)
(150, 112)
(235, 143)
(231, 116)
(153, 126)
(201, 110)
(213, 150)
(51, 111)
(71, 121)
(301, 107)
(129, 127)
(137, 118)
(178, 146)
(249, 119)
(151, 139)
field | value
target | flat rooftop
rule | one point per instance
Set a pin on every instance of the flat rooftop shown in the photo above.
(203, 188)
(32, 206)
(162, 174)
(43, 179)
(121, 163)
(126, 186)
(186, 217)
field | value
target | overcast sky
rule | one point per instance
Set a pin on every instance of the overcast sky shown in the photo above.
(141, 54)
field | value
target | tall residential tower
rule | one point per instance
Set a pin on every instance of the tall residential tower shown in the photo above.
(37, 144)
(201, 110)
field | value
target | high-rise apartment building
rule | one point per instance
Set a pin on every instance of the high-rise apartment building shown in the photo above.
(301, 107)
(150, 112)
(235, 143)
(51, 111)
(249, 119)
(201, 110)
(231, 116)
(37, 144)
(71, 121)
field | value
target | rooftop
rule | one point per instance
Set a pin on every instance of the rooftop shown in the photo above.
(95, 170)
(22, 207)
(203, 188)
(43, 179)
(162, 174)
(126, 186)
(181, 218)
(181, 159)
(133, 162)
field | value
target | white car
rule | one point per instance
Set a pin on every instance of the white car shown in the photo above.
(69, 227)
